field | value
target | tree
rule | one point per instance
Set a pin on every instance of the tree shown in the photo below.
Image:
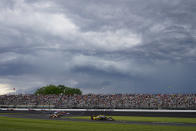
(60, 89)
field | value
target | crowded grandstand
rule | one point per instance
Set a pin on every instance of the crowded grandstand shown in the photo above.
(97, 101)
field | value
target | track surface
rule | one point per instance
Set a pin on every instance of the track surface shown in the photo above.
(45, 116)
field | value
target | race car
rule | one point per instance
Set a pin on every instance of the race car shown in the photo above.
(53, 116)
(58, 114)
(102, 117)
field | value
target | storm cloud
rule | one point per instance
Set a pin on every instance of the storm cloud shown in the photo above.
(105, 46)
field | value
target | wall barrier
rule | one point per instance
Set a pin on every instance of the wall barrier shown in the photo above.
(95, 110)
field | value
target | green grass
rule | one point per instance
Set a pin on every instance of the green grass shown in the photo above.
(147, 119)
(22, 124)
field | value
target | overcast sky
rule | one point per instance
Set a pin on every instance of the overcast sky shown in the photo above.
(99, 46)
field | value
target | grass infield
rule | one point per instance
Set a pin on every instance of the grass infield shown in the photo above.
(23, 124)
(146, 119)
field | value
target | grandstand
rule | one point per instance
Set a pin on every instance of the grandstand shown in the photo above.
(93, 101)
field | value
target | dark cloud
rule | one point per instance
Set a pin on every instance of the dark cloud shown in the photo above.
(128, 46)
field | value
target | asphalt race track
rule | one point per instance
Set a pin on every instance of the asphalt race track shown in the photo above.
(45, 115)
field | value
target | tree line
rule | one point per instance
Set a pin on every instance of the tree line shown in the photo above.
(60, 89)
